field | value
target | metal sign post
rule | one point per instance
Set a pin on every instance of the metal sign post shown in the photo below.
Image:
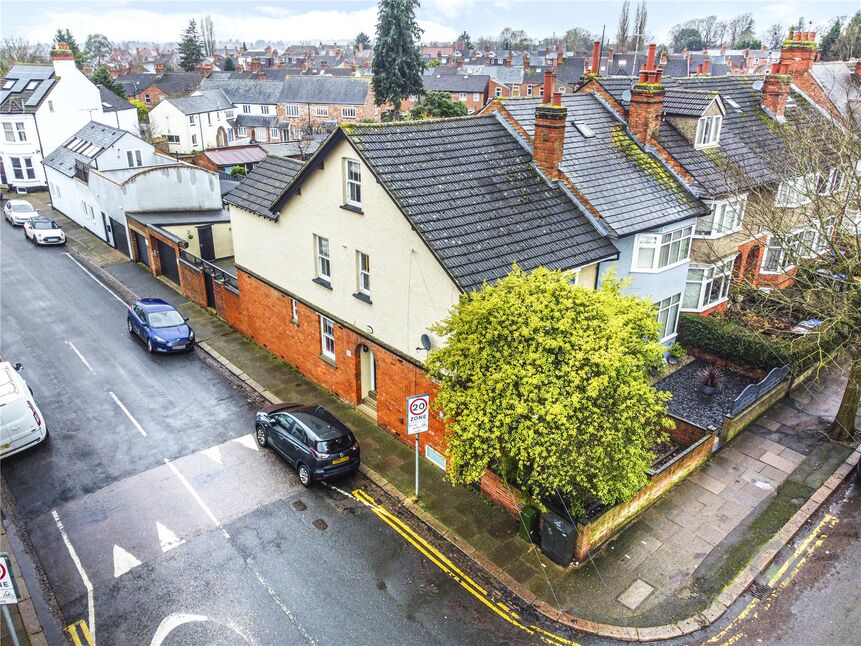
(8, 593)
(418, 415)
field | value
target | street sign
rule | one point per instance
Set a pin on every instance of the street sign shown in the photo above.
(8, 589)
(418, 414)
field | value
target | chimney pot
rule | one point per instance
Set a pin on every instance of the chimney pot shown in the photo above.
(707, 65)
(557, 98)
(650, 61)
(548, 85)
(700, 68)
(596, 57)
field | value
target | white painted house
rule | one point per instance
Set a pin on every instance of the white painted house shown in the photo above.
(194, 123)
(41, 106)
(101, 173)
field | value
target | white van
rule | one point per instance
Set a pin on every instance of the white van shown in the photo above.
(21, 421)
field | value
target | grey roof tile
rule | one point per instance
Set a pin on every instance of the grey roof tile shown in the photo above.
(263, 185)
(98, 134)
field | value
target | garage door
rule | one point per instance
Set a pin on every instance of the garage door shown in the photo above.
(167, 257)
(140, 245)
(121, 241)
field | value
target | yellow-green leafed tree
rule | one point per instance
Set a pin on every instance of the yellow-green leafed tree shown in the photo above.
(549, 383)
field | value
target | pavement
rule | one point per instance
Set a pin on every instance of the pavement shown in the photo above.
(668, 566)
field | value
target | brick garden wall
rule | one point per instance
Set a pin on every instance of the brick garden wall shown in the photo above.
(732, 426)
(191, 283)
(508, 497)
(599, 530)
(685, 432)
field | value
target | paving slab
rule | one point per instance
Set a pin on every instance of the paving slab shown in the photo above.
(777, 462)
(636, 594)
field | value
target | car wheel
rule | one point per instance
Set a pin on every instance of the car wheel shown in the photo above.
(304, 475)
(129, 326)
(260, 436)
(149, 345)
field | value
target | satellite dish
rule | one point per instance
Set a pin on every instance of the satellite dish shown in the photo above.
(426, 342)
(626, 96)
(757, 85)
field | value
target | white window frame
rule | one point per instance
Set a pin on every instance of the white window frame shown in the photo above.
(134, 158)
(835, 182)
(274, 134)
(172, 139)
(708, 131)
(363, 273)
(826, 234)
(348, 112)
(294, 310)
(498, 91)
(246, 109)
(9, 132)
(228, 114)
(476, 96)
(726, 217)
(322, 251)
(529, 90)
(21, 131)
(794, 193)
(230, 135)
(191, 120)
(327, 337)
(672, 305)
(264, 109)
(147, 99)
(193, 140)
(795, 242)
(292, 110)
(680, 239)
(353, 183)
(720, 273)
(243, 131)
(462, 97)
(25, 170)
(321, 110)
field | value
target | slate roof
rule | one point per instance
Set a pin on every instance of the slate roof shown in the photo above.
(677, 66)
(269, 74)
(206, 101)
(470, 190)
(632, 190)
(255, 121)
(112, 102)
(263, 185)
(178, 83)
(455, 83)
(136, 83)
(325, 90)
(235, 155)
(246, 90)
(18, 99)
(688, 103)
(98, 134)
(841, 85)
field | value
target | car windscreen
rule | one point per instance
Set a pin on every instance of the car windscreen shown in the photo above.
(44, 224)
(168, 318)
(336, 445)
(23, 208)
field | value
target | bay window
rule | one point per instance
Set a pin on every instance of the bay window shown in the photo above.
(707, 285)
(653, 251)
(726, 217)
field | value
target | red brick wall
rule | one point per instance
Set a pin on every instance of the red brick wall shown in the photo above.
(192, 283)
(685, 432)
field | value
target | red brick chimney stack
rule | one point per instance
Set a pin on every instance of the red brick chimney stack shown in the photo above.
(548, 85)
(775, 90)
(159, 68)
(62, 53)
(596, 58)
(549, 139)
(699, 68)
(647, 101)
(707, 67)
(799, 53)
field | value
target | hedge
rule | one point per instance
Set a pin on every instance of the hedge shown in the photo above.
(724, 338)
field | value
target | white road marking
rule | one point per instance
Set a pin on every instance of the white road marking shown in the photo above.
(247, 441)
(214, 454)
(123, 561)
(80, 356)
(128, 414)
(167, 538)
(177, 619)
(91, 608)
(284, 608)
(101, 284)
(196, 497)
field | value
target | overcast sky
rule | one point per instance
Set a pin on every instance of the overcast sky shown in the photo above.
(160, 21)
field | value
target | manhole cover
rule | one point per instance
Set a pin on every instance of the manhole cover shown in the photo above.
(320, 524)
(299, 506)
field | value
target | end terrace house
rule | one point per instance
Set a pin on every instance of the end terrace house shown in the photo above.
(346, 263)
(101, 174)
(40, 106)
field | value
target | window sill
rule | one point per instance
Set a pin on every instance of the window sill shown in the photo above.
(363, 297)
(637, 270)
(353, 208)
(327, 359)
(322, 281)
(715, 236)
(703, 308)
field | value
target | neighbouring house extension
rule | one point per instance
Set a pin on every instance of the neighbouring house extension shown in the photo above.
(636, 199)
(101, 173)
(345, 263)
(40, 106)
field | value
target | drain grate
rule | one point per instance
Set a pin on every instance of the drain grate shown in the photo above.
(298, 505)
(320, 524)
(759, 590)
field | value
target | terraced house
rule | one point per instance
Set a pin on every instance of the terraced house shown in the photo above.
(721, 136)
(346, 263)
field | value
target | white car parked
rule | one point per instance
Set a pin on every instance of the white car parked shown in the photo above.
(21, 421)
(43, 230)
(17, 212)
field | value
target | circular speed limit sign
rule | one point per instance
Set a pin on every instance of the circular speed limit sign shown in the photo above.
(418, 409)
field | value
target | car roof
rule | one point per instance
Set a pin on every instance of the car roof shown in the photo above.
(319, 422)
(154, 305)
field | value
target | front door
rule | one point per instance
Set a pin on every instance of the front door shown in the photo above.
(369, 375)
(121, 240)
(207, 246)
(167, 256)
(142, 249)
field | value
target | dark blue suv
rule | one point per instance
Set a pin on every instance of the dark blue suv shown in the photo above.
(310, 438)
(161, 327)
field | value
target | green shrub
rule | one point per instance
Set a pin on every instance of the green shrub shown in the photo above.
(727, 339)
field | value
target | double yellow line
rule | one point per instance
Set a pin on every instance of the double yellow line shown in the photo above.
(444, 564)
(81, 625)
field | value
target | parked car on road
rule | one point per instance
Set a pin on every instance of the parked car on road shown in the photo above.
(160, 326)
(310, 438)
(17, 212)
(44, 230)
(21, 421)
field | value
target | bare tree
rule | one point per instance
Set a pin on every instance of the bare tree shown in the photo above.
(740, 27)
(775, 35)
(18, 50)
(710, 28)
(639, 34)
(623, 27)
(207, 36)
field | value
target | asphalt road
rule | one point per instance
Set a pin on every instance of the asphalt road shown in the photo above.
(155, 517)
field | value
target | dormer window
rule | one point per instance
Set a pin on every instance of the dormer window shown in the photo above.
(708, 131)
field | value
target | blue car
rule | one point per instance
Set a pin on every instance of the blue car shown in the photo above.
(161, 327)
